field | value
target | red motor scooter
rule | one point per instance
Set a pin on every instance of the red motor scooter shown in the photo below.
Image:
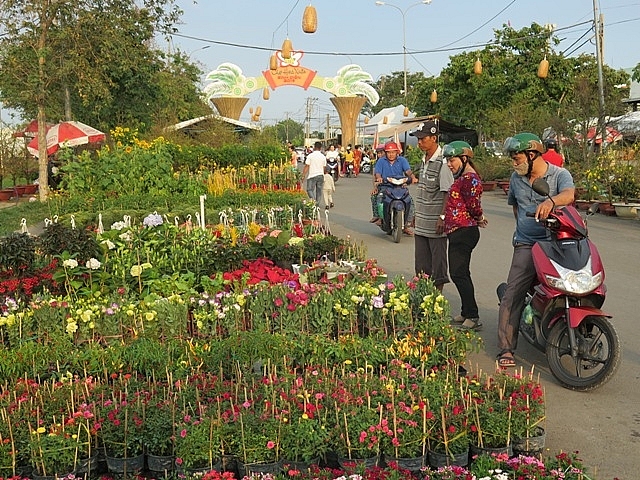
(562, 315)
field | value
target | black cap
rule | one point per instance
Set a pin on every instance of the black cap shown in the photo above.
(424, 129)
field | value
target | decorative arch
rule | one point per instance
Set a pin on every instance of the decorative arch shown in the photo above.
(350, 86)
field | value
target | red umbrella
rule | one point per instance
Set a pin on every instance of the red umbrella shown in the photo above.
(612, 135)
(67, 134)
(30, 130)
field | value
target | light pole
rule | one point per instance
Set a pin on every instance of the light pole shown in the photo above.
(404, 37)
(197, 50)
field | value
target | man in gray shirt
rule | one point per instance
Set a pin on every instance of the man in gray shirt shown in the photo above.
(434, 182)
(525, 150)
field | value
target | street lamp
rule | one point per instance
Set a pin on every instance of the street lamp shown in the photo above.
(197, 50)
(404, 36)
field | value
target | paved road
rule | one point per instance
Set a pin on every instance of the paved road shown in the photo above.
(604, 425)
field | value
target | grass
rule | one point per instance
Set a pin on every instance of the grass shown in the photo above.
(11, 214)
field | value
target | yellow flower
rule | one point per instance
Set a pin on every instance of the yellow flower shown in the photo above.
(41, 430)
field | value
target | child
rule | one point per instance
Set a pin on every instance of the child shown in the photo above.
(328, 188)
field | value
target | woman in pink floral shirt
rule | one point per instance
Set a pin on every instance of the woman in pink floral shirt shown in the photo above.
(462, 217)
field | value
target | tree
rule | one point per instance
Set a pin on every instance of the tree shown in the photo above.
(508, 96)
(95, 52)
(390, 88)
(287, 131)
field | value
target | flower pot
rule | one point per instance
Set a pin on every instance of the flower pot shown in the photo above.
(476, 450)
(160, 463)
(437, 459)
(6, 194)
(303, 467)
(30, 189)
(246, 469)
(87, 465)
(20, 190)
(606, 208)
(626, 210)
(57, 476)
(489, 185)
(352, 463)
(125, 465)
(197, 472)
(530, 445)
(412, 464)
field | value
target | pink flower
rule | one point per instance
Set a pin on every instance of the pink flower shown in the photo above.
(183, 433)
(271, 444)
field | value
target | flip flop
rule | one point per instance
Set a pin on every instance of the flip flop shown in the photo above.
(457, 320)
(506, 360)
(470, 324)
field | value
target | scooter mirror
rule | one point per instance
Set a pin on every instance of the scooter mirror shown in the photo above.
(540, 186)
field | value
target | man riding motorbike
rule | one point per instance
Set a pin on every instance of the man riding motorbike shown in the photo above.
(395, 166)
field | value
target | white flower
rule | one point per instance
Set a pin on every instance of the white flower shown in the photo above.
(110, 245)
(93, 264)
(295, 240)
(70, 263)
(118, 226)
(126, 236)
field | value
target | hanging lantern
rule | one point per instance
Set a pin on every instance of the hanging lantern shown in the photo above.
(273, 63)
(385, 119)
(265, 93)
(366, 120)
(434, 96)
(258, 111)
(406, 111)
(250, 110)
(543, 68)
(287, 47)
(309, 20)
(477, 67)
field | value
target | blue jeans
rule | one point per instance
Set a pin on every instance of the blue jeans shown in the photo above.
(314, 188)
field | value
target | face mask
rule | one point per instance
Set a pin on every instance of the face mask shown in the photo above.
(522, 169)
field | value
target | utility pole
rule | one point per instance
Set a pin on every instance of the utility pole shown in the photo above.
(598, 21)
(307, 131)
(327, 131)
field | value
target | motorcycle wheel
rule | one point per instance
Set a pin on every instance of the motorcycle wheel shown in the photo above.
(366, 168)
(598, 354)
(397, 224)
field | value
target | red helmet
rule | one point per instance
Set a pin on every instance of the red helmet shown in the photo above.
(390, 146)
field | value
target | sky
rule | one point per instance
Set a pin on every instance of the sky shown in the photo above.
(247, 32)
(360, 32)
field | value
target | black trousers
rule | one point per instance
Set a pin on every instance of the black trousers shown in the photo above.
(461, 243)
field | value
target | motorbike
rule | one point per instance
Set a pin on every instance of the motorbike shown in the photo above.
(365, 164)
(396, 201)
(562, 315)
(349, 169)
(334, 168)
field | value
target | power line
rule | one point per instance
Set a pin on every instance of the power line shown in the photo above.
(376, 54)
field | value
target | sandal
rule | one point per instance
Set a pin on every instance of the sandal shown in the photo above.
(506, 360)
(407, 231)
(457, 320)
(470, 324)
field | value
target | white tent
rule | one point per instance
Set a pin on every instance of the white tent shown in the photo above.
(394, 116)
(628, 124)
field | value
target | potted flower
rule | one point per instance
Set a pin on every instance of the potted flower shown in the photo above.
(159, 434)
(449, 440)
(197, 443)
(491, 422)
(54, 448)
(528, 414)
(122, 430)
